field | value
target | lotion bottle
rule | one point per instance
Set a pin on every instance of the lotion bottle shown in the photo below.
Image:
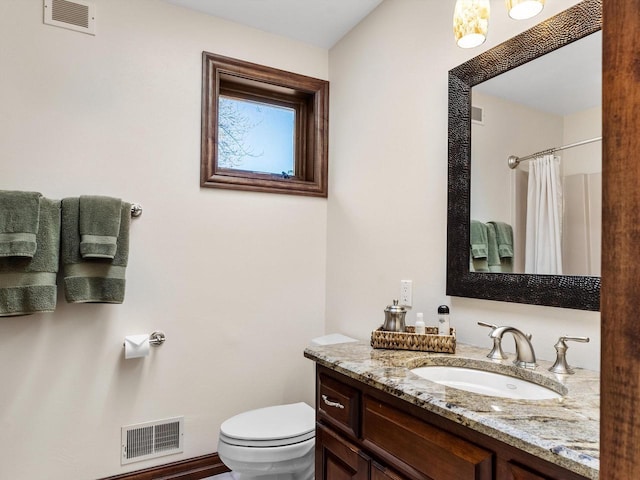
(443, 320)
(420, 327)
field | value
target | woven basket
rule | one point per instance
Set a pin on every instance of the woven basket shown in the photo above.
(409, 340)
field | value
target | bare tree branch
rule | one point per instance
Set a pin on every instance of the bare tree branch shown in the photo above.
(233, 128)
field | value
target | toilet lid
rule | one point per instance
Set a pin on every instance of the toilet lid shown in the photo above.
(270, 426)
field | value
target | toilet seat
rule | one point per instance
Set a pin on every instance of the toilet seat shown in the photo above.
(275, 426)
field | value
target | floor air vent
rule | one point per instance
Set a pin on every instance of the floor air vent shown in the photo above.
(75, 15)
(152, 439)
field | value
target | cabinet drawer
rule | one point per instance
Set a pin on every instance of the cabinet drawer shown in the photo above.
(339, 405)
(396, 436)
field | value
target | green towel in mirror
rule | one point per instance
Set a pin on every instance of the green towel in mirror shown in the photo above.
(479, 247)
(493, 259)
(504, 237)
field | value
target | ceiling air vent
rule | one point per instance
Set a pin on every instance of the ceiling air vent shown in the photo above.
(152, 439)
(75, 15)
(477, 115)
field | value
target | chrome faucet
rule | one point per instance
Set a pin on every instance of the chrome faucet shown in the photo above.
(525, 356)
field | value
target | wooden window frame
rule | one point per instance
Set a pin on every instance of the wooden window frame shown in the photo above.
(307, 96)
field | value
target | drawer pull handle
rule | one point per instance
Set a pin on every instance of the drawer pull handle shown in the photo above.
(331, 403)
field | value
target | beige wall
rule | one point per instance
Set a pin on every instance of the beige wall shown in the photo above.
(236, 280)
(388, 179)
(580, 126)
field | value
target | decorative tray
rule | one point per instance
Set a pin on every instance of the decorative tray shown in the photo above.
(409, 340)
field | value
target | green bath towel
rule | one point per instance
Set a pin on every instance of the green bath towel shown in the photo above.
(19, 219)
(99, 226)
(28, 285)
(92, 280)
(504, 236)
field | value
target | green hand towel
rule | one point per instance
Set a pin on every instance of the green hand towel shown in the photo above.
(19, 219)
(99, 226)
(479, 247)
(493, 259)
(92, 280)
(478, 264)
(28, 285)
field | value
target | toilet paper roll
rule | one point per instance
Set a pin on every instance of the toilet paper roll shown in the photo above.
(136, 346)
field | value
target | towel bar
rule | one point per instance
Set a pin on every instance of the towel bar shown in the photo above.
(136, 209)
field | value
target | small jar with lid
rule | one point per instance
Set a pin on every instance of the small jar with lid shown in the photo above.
(394, 317)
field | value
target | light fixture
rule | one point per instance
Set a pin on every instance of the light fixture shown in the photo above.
(522, 9)
(470, 22)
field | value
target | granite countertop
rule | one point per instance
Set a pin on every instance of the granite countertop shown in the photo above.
(564, 432)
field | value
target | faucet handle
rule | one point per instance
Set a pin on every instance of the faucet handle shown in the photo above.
(496, 352)
(490, 325)
(574, 339)
(561, 366)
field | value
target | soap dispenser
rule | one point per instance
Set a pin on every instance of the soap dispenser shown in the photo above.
(443, 320)
(420, 326)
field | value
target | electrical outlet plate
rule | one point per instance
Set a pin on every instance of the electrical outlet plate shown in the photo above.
(406, 294)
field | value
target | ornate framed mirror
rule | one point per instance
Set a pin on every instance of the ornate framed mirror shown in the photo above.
(567, 291)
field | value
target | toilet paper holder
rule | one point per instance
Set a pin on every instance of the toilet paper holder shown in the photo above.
(156, 338)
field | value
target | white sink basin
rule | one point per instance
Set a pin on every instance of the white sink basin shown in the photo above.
(485, 383)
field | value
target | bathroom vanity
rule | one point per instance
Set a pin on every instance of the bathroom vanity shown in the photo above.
(378, 420)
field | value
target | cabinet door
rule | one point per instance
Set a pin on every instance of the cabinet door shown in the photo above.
(404, 441)
(338, 459)
(378, 472)
(517, 472)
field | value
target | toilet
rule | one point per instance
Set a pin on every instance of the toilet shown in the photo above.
(271, 443)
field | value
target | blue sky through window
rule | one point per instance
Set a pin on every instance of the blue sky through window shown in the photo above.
(260, 136)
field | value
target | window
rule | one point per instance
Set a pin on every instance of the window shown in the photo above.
(263, 129)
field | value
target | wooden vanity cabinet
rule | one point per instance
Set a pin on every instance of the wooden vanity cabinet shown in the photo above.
(366, 434)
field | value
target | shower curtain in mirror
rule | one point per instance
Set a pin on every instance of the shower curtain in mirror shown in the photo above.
(543, 249)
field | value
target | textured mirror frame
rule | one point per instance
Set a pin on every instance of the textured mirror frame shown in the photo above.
(578, 292)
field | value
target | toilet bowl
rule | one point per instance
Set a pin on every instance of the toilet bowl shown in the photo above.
(272, 443)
